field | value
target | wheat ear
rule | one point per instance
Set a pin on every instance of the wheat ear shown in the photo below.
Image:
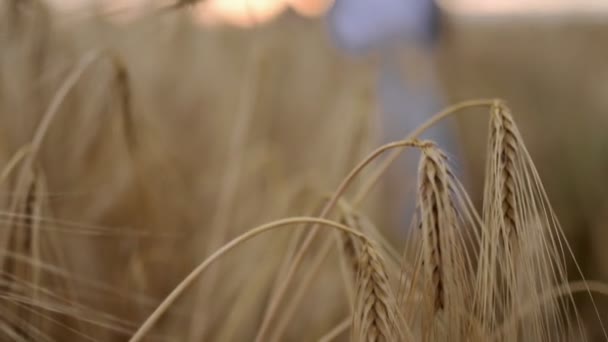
(376, 315)
(442, 283)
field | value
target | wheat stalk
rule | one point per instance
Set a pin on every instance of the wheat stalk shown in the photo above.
(410, 141)
(196, 272)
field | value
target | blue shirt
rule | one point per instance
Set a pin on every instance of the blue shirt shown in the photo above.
(359, 26)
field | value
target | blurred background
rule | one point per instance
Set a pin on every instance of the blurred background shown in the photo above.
(547, 58)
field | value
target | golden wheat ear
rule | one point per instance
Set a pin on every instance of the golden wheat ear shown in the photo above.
(376, 315)
(522, 252)
(374, 305)
(438, 294)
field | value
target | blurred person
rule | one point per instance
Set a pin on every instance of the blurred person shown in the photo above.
(401, 35)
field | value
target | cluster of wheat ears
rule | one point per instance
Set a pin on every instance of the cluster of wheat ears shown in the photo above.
(459, 275)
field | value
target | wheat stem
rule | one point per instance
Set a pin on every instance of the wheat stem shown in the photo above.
(281, 290)
(196, 272)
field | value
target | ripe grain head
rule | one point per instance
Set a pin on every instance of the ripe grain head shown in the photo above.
(376, 316)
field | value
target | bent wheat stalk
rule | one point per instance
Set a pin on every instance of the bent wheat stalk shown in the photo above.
(299, 256)
(186, 282)
(277, 297)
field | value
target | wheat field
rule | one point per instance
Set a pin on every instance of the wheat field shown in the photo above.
(166, 182)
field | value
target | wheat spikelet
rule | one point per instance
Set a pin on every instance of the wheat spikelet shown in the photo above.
(504, 141)
(522, 244)
(350, 249)
(360, 222)
(441, 285)
(500, 213)
(375, 317)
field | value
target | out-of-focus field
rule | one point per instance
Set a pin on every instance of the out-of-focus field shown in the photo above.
(170, 140)
(131, 152)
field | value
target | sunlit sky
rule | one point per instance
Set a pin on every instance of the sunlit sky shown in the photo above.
(248, 12)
